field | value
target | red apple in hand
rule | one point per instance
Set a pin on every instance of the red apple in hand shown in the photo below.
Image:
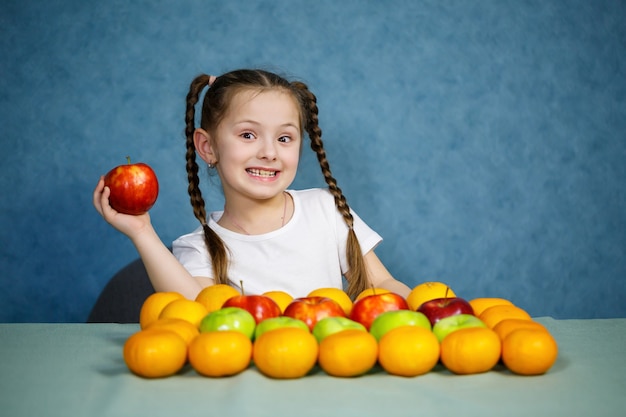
(366, 309)
(312, 309)
(134, 188)
(260, 306)
(440, 308)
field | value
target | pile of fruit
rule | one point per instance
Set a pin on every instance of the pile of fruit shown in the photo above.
(223, 332)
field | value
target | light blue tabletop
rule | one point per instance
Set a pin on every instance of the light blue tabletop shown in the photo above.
(78, 370)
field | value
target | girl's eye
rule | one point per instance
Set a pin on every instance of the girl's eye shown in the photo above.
(284, 139)
(247, 135)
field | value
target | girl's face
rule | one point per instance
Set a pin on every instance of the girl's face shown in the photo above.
(257, 144)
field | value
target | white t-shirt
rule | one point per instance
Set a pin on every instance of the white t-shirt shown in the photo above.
(307, 253)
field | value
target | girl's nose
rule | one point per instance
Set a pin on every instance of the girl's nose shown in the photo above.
(267, 149)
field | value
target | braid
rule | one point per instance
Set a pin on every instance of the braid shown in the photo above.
(215, 245)
(359, 280)
(197, 202)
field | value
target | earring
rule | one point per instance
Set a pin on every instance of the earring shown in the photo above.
(211, 165)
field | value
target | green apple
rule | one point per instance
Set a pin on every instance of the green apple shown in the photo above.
(329, 325)
(395, 318)
(229, 318)
(277, 323)
(449, 324)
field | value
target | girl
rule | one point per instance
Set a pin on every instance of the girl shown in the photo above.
(268, 237)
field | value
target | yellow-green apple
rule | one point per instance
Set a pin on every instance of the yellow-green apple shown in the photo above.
(366, 309)
(391, 319)
(329, 325)
(450, 324)
(312, 309)
(277, 323)
(439, 308)
(134, 188)
(229, 318)
(260, 306)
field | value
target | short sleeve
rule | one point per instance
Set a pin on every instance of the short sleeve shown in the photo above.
(191, 252)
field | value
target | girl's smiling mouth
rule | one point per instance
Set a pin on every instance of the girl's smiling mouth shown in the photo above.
(256, 172)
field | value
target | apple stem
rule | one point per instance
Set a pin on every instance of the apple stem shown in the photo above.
(241, 284)
(446, 294)
(128, 159)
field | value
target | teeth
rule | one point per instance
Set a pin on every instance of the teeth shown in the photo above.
(261, 173)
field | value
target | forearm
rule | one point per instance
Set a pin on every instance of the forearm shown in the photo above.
(381, 278)
(395, 286)
(165, 271)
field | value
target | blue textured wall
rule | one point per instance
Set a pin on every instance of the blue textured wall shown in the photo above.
(485, 140)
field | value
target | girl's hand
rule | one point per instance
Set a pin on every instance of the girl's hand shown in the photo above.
(128, 224)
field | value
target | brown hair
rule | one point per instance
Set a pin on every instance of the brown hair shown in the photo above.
(214, 108)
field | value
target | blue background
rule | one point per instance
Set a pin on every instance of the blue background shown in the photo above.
(485, 140)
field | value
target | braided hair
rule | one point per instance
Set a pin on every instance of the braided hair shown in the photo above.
(214, 107)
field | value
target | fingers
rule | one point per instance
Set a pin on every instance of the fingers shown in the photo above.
(97, 195)
(101, 199)
(107, 211)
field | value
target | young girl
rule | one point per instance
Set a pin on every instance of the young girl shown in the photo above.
(268, 237)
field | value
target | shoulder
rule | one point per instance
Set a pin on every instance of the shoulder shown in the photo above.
(314, 195)
(315, 200)
(194, 239)
(316, 206)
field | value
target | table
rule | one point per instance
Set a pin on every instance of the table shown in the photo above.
(78, 370)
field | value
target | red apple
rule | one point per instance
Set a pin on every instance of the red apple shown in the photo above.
(366, 309)
(312, 309)
(260, 306)
(439, 308)
(134, 188)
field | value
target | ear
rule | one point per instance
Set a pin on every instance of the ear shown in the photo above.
(204, 146)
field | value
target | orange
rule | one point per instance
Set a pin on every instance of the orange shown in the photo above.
(183, 328)
(371, 291)
(155, 353)
(480, 304)
(152, 306)
(427, 291)
(529, 351)
(335, 294)
(506, 326)
(348, 353)
(286, 352)
(214, 296)
(471, 350)
(220, 353)
(185, 309)
(408, 351)
(494, 314)
(281, 298)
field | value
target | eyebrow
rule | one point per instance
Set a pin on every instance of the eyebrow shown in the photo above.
(288, 124)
